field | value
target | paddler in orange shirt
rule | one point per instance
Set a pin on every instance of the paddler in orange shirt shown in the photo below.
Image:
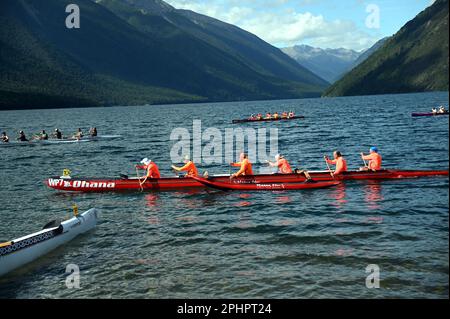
(189, 167)
(151, 168)
(339, 161)
(374, 159)
(282, 164)
(245, 166)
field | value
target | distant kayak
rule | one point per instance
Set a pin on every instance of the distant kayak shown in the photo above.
(23, 250)
(61, 141)
(268, 120)
(236, 185)
(428, 114)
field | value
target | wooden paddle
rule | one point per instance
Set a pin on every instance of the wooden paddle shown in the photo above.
(139, 179)
(329, 168)
(365, 163)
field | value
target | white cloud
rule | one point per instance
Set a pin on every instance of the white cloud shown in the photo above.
(280, 24)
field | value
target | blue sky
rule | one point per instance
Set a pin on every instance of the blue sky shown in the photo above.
(351, 24)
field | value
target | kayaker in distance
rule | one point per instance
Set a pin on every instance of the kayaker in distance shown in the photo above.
(374, 159)
(442, 109)
(282, 164)
(268, 116)
(284, 115)
(276, 116)
(434, 110)
(152, 170)
(57, 134)
(93, 132)
(245, 166)
(22, 137)
(5, 138)
(291, 114)
(189, 167)
(339, 161)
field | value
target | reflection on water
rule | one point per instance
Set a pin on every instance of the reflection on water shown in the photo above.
(338, 195)
(373, 195)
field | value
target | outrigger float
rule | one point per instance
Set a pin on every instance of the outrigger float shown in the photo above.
(125, 184)
(23, 250)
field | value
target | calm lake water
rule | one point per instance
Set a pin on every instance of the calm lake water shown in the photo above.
(310, 244)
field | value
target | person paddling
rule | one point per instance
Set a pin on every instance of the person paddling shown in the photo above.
(282, 164)
(152, 170)
(22, 137)
(5, 138)
(57, 134)
(374, 158)
(189, 168)
(43, 136)
(339, 161)
(93, 132)
(245, 166)
(442, 110)
(79, 134)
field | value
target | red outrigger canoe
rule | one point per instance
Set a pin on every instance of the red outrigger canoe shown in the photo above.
(428, 114)
(180, 183)
(298, 117)
(235, 185)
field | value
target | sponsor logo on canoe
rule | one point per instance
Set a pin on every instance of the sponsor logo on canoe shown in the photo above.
(53, 182)
(270, 186)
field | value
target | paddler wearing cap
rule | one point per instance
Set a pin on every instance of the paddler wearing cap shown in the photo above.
(22, 137)
(245, 166)
(339, 161)
(282, 164)
(151, 168)
(374, 159)
(189, 167)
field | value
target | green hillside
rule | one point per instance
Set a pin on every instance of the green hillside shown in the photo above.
(123, 55)
(414, 60)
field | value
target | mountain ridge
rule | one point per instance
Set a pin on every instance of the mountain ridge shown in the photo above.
(415, 59)
(143, 60)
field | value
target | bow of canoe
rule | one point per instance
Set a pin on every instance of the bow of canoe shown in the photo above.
(23, 250)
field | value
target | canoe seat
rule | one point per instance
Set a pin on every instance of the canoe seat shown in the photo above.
(53, 224)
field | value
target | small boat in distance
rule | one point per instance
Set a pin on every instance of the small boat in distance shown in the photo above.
(297, 117)
(429, 114)
(23, 250)
(434, 112)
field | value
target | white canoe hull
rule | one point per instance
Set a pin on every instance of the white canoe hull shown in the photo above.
(29, 248)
